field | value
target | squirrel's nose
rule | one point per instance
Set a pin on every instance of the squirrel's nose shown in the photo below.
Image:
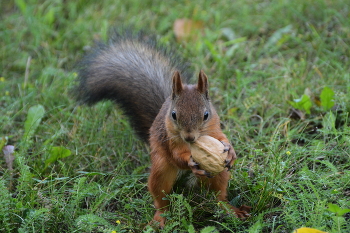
(190, 138)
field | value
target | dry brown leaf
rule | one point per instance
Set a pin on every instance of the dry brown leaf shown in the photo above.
(187, 29)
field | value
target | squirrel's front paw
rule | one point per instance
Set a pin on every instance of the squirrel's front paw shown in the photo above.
(196, 170)
(231, 155)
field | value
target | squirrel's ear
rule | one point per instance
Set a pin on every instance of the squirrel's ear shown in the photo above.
(177, 84)
(203, 85)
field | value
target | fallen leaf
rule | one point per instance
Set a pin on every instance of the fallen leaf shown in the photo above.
(308, 230)
(297, 114)
(317, 101)
(187, 29)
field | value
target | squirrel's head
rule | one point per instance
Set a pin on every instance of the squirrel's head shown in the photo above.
(191, 109)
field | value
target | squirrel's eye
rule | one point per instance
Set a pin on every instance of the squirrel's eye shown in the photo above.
(206, 115)
(173, 115)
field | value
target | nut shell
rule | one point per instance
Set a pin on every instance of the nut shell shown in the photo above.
(209, 153)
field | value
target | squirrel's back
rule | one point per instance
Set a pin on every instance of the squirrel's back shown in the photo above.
(133, 70)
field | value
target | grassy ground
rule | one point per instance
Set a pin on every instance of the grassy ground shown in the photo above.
(81, 169)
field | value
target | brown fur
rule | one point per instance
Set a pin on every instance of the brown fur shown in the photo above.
(170, 150)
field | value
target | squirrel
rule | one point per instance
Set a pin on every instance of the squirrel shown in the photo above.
(149, 81)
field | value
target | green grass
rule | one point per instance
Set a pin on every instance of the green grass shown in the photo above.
(258, 54)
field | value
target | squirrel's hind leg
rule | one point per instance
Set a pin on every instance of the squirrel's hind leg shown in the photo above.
(160, 183)
(219, 185)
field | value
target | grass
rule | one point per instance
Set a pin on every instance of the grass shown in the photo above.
(81, 169)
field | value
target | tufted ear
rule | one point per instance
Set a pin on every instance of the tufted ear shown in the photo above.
(177, 85)
(202, 84)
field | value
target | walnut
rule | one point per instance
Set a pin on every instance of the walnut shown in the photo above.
(209, 153)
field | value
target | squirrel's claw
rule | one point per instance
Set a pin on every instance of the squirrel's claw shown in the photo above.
(226, 146)
(242, 212)
(228, 165)
(231, 155)
(192, 163)
(196, 170)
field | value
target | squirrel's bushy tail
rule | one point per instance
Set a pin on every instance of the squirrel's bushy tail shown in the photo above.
(133, 70)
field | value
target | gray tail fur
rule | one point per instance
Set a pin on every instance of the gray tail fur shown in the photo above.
(133, 70)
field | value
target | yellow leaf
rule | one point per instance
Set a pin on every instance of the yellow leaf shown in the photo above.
(307, 230)
(187, 29)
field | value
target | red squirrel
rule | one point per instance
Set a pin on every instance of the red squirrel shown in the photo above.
(149, 82)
